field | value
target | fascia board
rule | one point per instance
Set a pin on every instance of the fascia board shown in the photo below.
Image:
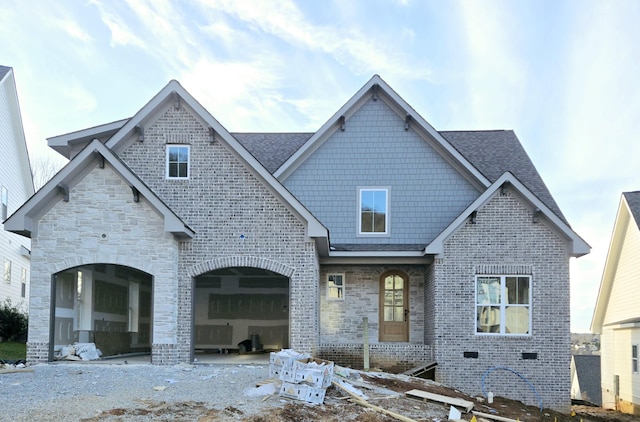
(165, 96)
(578, 246)
(326, 130)
(289, 166)
(623, 217)
(376, 254)
(63, 143)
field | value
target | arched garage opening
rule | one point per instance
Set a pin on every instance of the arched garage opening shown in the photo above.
(239, 309)
(108, 305)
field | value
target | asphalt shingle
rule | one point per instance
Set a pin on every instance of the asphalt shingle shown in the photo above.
(633, 199)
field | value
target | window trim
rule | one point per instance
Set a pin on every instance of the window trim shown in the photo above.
(387, 191)
(340, 289)
(168, 148)
(634, 359)
(7, 271)
(503, 304)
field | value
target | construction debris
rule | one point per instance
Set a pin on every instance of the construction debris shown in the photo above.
(303, 378)
(78, 351)
(424, 395)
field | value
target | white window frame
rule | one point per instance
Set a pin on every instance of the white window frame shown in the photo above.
(387, 221)
(331, 286)
(634, 358)
(169, 147)
(23, 280)
(7, 271)
(502, 305)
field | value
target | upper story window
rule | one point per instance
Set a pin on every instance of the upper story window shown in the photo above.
(335, 286)
(503, 305)
(373, 213)
(178, 161)
(4, 200)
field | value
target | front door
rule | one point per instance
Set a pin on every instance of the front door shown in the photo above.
(394, 307)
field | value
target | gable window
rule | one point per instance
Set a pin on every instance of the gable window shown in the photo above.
(373, 211)
(178, 161)
(335, 286)
(23, 279)
(4, 200)
(503, 305)
(634, 358)
(7, 271)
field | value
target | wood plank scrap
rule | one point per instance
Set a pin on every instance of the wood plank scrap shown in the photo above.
(454, 401)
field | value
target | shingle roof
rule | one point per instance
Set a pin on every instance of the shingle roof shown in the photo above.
(588, 370)
(272, 149)
(493, 152)
(356, 247)
(4, 70)
(633, 200)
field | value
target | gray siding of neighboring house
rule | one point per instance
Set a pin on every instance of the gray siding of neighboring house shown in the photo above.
(375, 150)
(504, 240)
(221, 201)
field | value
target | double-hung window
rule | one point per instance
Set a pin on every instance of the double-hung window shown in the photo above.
(634, 358)
(335, 286)
(178, 161)
(23, 283)
(503, 305)
(373, 215)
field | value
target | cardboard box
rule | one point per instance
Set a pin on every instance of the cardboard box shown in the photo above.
(302, 392)
(315, 372)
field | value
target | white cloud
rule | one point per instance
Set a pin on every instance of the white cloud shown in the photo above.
(121, 34)
(78, 97)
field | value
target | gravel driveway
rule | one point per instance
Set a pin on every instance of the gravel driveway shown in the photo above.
(74, 391)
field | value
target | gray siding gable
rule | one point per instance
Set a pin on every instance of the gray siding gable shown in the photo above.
(425, 192)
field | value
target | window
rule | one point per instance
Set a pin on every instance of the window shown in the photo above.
(23, 279)
(4, 199)
(373, 211)
(503, 304)
(7, 271)
(177, 161)
(335, 286)
(634, 358)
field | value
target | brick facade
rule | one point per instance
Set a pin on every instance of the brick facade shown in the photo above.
(504, 240)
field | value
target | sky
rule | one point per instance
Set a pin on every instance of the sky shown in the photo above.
(564, 75)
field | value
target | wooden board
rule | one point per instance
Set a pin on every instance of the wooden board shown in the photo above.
(454, 401)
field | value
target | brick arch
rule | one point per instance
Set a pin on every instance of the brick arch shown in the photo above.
(124, 260)
(241, 261)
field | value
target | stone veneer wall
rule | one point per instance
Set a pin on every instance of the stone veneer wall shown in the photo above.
(102, 224)
(504, 240)
(341, 321)
(238, 221)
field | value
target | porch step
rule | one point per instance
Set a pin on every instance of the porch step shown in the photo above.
(419, 370)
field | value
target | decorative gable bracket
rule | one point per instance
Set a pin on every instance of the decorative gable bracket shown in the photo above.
(64, 189)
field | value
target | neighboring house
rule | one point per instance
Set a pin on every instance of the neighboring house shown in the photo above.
(16, 186)
(169, 234)
(585, 378)
(617, 312)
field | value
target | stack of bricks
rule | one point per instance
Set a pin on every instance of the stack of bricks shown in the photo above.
(303, 378)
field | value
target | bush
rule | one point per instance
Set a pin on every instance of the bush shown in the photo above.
(13, 323)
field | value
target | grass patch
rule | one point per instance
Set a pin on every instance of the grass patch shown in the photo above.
(10, 350)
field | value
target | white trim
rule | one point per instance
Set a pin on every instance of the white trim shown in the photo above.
(387, 220)
(341, 288)
(167, 162)
(502, 304)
